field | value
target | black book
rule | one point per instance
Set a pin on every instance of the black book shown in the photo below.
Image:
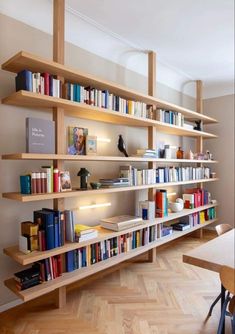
(27, 274)
(29, 283)
(181, 226)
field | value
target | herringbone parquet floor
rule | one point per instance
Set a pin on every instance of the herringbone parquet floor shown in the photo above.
(166, 297)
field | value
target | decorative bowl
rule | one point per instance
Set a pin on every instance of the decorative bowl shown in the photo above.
(176, 206)
(95, 185)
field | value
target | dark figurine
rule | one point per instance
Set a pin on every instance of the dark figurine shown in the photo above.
(122, 146)
(83, 173)
(198, 126)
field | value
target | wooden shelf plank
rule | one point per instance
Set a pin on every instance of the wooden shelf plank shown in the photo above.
(67, 157)
(71, 277)
(24, 60)
(75, 109)
(103, 234)
(75, 193)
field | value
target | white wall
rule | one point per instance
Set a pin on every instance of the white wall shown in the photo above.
(222, 108)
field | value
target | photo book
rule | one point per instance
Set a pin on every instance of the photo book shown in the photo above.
(40, 135)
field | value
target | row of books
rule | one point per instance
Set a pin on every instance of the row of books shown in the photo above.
(170, 117)
(103, 99)
(178, 174)
(106, 249)
(187, 222)
(49, 181)
(138, 177)
(49, 229)
(196, 197)
(41, 83)
(41, 271)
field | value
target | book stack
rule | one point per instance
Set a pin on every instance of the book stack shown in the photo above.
(27, 278)
(83, 233)
(39, 83)
(161, 203)
(146, 153)
(164, 230)
(170, 117)
(181, 226)
(138, 177)
(178, 174)
(120, 223)
(115, 182)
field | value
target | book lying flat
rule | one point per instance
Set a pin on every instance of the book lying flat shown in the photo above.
(121, 219)
(83, 229)
(88, 236)
(120, 226)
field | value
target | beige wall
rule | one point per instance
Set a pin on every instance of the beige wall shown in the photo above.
(15, 36)
(222, 108)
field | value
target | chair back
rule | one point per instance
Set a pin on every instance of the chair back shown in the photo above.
(223, 228)
(227, 277)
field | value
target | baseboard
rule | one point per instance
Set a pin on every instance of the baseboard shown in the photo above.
(10, 305)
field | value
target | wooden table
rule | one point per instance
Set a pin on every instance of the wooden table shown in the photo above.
(213, 255)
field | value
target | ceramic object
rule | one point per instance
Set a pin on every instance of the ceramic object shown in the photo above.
(177, 206)
(95, 185)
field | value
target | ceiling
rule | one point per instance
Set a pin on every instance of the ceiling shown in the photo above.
(195, 37)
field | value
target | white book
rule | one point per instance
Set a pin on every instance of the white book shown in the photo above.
(121, 219)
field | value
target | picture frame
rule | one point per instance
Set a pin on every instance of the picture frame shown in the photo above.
(77, 140)
(91, 145)
(65, 181)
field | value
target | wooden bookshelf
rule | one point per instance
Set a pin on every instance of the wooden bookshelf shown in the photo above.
(66, 157)
(103, 234)
(71, 277)
(75, 193)
(75, 109)
(23, 60)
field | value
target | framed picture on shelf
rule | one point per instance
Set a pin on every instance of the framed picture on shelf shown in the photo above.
(91, 145)
(65, 181)
(77, 140)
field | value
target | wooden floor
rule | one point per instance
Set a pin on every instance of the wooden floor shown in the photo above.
(167, 297)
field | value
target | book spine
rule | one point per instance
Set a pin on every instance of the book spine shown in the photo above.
(38, 183)
(56, 180)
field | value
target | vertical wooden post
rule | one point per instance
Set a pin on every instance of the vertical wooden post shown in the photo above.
(152, 131)
(199, 141)
(58, 113)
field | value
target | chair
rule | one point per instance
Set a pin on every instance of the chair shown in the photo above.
(227, 277)
(223, 228)
(220, 229)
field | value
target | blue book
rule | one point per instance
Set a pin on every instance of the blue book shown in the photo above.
(74, 92)
(78, 89)
(70, 261)
(83, 257)
(58, 228)
(50, 85)
(24, 81)
(47, 221)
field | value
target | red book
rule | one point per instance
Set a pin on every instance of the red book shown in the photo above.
(56, 180)
(59, 263)
(46, 83)
(38, 183)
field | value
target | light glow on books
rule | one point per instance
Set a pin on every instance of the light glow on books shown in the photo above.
(94, 206)
(171, 194)
(104, 140)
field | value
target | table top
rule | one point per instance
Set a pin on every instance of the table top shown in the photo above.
(214, 254)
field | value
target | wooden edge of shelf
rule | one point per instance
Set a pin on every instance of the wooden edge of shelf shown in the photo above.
(74, 193)
(71, 277)
(104, 234)
(83, 110)
(67, 157)
(35, 63)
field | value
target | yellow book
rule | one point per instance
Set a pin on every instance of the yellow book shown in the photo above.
(83, 229)
(202, 217)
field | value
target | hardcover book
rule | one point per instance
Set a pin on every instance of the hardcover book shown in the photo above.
(40, 136)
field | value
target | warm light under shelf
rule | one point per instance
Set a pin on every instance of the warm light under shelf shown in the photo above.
(94, 206)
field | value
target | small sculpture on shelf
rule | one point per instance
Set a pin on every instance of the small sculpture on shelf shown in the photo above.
(198, 126)
(83, 173)
(209, 155)
(122, 146)
(177, 206)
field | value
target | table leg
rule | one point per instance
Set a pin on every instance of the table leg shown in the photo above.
(222, 303)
